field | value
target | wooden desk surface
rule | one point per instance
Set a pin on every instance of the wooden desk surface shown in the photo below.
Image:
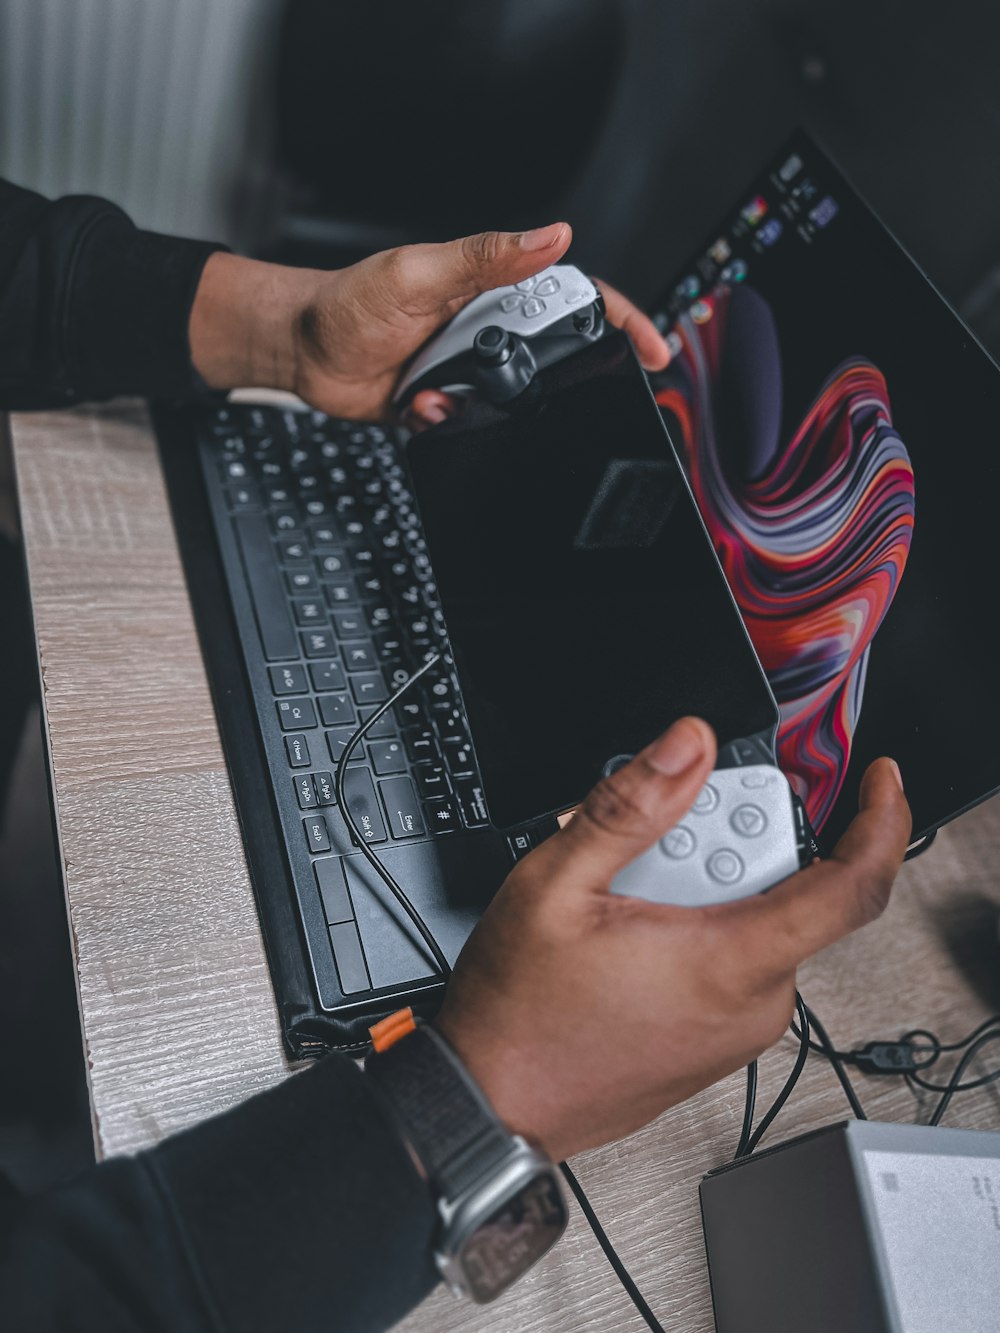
(177, 1011)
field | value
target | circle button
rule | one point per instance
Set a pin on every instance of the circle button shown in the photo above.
(748, 820)
(725, 867)
(706, 800)
(678, 844)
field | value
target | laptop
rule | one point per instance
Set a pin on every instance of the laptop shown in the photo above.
(838, 423)
(832, 415)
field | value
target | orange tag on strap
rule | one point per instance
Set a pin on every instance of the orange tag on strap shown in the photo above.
(387, 1032)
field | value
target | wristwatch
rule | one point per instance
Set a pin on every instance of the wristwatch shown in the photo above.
(499, 1201)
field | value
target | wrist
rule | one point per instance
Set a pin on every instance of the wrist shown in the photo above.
(245, 319)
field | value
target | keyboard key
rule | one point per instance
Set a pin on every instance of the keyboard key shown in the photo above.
(317, 837)
(346, 944)
(337, 741)
(297, 748)
(472, 803)
(308, 612)
(359, 796)
(387, 757)
(359, 657)
(459, 759)
(264, 582)
(284, 521)
(288, 679)
(349, 625)
(318, 643)
(369, 688)
(294, 552)
(301, 581)
(385, 726)
(520, 844)
(333, 889)
(421, 747)
(336, 710)
(431, 781)
(339, 592)
(401, 807)
(243, 499)
(305, 792)
(332, 564)
(326, 792)
(324, 534)
(442, 816)
(328, 675)
(294, 714)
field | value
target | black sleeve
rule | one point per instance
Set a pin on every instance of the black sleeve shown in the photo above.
(90, 306)
(299, 1211)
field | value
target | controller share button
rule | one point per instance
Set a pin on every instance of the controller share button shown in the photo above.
(678, 844)
(724, 866)
(749, 820)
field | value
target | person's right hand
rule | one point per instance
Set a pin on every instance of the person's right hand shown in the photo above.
(584, 1014)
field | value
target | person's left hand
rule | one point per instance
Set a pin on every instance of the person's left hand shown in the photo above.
(341, 339)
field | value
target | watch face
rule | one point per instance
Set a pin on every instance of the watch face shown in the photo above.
(512, 1238)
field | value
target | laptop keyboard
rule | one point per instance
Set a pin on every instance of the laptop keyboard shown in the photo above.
(345, 607)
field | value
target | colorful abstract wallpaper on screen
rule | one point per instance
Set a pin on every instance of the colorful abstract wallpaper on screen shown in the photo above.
(812, 519)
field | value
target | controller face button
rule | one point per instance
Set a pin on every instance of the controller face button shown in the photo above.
(754, 780)
(724, 866)
(532, 307)
(748, 820)
(509, 302)
(706, 800)
(678, 844)
(528, 285)
(547, 287)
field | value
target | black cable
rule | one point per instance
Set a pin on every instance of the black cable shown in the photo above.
(836, 1060)
(955, 1082)
(749, 1106)
(444, 967)
(610, 1253)
(790, 1081)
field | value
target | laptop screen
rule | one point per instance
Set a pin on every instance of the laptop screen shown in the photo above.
(841, 430)
(584, 605)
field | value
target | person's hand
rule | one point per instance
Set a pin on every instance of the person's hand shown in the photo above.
(584, 1014)
(341, 339)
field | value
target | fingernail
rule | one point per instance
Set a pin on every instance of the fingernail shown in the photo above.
(540, 237)
(678, 749)
(899, 776)
(434, 414)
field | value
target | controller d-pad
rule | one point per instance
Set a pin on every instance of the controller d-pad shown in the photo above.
(706, 800)
(510, 302)
(532, 307)
(678, 844)
(724, 866)
(547, 287)
(528, 285)
(749, 820)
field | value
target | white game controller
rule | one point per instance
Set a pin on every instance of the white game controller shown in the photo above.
(745, 833)
(496, 343)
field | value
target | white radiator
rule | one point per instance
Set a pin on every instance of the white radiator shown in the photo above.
(159, 105)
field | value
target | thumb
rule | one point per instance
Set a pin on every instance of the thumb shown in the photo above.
(626, 812)
(460, 270)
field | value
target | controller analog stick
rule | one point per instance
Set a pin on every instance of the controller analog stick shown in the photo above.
(493, 345)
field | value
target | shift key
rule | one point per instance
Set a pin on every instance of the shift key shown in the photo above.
(361, 801)
(401, 807)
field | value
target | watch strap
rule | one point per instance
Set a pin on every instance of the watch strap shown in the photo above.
(443, 1114)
